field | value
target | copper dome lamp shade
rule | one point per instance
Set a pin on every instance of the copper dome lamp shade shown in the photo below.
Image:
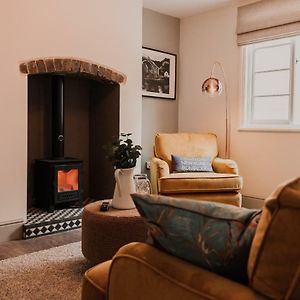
(213, 87)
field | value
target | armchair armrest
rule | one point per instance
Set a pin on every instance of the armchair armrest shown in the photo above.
(142, 272)
(158, 169)
(221, 165)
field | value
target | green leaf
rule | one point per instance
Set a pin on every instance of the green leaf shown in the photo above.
(122, 152)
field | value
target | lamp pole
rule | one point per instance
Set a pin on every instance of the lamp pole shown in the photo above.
(217, 91)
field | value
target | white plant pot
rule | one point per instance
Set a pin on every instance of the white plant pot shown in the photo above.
(123, 188)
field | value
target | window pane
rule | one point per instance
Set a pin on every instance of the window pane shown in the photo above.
(271, 108)
(273, 58)
(272, 83)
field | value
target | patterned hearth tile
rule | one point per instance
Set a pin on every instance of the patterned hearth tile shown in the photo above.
(40, 222)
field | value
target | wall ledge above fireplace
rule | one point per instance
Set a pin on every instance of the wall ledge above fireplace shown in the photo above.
(72, 66)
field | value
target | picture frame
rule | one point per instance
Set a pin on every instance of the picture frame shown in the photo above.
(158, 74)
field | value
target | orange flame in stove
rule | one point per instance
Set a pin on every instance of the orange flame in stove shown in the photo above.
(67, 180)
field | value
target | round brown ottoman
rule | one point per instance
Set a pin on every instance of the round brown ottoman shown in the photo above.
(103, 233)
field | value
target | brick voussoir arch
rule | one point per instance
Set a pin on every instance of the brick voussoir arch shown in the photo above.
(73, 66)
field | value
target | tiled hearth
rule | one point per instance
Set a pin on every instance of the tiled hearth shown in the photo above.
(40, 222)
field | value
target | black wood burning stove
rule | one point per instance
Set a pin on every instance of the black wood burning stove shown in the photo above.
(58, 180)
(58, 183)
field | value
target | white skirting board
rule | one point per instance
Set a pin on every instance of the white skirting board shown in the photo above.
(10, 232)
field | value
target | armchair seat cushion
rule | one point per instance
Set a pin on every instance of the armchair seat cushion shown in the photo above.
(195, 182)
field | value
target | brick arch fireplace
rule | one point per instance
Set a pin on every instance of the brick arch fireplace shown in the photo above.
(73, 110)
(73, 66)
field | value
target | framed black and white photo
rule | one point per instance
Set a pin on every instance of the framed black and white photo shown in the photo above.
(158, 74)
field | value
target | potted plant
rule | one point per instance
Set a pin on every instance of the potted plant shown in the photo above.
(123, 154)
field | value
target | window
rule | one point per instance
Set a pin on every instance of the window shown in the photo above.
(272, 87)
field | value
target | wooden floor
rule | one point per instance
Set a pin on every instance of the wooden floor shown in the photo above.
(20, 247)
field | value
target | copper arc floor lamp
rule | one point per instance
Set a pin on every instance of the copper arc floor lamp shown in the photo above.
(212, 87)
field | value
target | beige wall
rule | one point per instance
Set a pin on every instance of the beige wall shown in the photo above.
(265, 158)
(108, 32)
(159, 32)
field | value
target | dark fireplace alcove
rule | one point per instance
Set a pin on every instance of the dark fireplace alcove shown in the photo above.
(91, 119)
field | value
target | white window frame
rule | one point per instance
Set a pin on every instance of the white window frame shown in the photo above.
(247, 120)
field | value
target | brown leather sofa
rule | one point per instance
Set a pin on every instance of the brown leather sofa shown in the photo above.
(222, 185)
(141, 272)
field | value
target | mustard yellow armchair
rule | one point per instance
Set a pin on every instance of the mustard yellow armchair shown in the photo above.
(139, 271)
(221, 185)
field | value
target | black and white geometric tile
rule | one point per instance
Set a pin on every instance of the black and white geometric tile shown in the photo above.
(40, 222)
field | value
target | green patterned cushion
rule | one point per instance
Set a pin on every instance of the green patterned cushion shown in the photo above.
(212, 235)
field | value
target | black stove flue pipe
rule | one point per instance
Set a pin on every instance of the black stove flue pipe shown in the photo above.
(58, 116)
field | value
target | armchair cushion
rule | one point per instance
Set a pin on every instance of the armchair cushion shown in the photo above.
(196, 182)
(212, 235)
(274, 261)
(191, 164)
